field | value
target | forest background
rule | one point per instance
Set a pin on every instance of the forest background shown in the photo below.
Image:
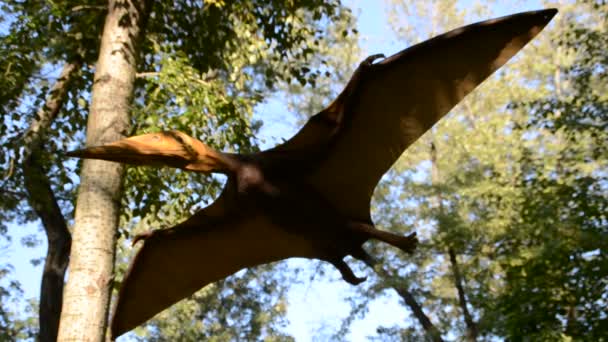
(509, 193)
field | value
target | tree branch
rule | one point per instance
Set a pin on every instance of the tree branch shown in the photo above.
(472, 331)
(88, 7)
(431, 330)
(19, 195)
(43, 201)
(210, 77)
(147, 74)
(11, 169)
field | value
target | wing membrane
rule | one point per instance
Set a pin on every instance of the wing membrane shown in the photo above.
(174, 263)
(404, 95)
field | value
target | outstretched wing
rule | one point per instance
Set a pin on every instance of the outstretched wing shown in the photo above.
(401, 97)
(174, 263)
(321, 128)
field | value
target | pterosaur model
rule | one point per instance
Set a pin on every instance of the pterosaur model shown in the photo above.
(309, 197)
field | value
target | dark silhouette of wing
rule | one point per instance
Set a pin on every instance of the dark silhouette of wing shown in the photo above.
(401, 97)
(321, 128)
(174, 263)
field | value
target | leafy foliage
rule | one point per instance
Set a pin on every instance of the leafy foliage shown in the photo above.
(559, 269)
(13, 325)
(204, 67)
(517, 191)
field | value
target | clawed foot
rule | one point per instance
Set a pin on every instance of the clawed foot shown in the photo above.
(347, 273)
(370, 60)
(407, 243)
(334, 113)
(143, 236)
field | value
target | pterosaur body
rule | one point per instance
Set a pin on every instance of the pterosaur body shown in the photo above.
(310, 196)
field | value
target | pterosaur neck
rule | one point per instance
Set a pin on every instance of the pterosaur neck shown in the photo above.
(227, 163)
(212, 161)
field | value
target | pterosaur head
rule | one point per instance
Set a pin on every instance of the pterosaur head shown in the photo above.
(171, 148)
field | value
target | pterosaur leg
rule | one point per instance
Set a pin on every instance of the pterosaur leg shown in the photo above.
(347, 273)
(405, 243)
(361, 254)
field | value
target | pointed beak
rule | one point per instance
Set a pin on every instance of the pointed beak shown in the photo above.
(156, 149)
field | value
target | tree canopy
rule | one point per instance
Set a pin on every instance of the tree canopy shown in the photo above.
(509, 194)
(202, 69)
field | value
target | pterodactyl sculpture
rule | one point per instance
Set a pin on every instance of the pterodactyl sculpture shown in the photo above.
(309, 197)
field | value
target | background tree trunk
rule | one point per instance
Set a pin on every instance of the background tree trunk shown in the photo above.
(88, 290)
(472, 331)
(43, 201)
(431, 330)
(462, 299)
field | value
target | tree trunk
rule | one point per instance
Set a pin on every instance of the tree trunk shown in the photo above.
(430, 329)
(87, 293)
(471, 327)
(472, 331)
(44, 203)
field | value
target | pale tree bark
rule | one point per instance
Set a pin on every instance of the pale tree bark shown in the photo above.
(471, 326)
(87, 292)
(43, 201)
(430, 329)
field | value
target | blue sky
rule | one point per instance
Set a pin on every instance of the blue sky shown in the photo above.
(314, 306)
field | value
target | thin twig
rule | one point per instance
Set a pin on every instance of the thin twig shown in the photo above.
(147, 74)
(89, 7)
(11, 168)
